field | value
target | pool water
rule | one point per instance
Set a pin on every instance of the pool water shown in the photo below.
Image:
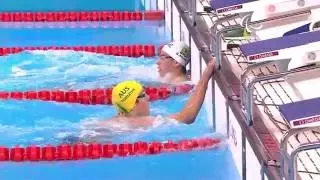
(25, 122)
(134, 33)
(37, 122)
(198, 165)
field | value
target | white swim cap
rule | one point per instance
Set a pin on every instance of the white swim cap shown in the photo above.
(179, 51)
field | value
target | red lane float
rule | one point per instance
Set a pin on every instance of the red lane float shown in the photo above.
(154, 15)
(84, 96)
(82, 151)
(123, 50)
(80, 16)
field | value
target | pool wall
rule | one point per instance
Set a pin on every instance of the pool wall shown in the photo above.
(220, 115)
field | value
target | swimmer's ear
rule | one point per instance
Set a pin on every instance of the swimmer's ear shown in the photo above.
(176, 64)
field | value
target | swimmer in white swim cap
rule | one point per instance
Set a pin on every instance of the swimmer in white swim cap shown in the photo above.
(172, 62)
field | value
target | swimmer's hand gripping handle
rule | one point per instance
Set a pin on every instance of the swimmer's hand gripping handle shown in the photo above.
(189, 113)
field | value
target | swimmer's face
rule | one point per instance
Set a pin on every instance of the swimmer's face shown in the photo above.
(166, 64)
(142, 106)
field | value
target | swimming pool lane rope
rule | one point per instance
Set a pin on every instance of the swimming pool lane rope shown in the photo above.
(77, 16)
(136, 50)
(91, 96)
(82, 151)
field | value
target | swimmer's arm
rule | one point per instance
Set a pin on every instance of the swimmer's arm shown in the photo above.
(189, 113)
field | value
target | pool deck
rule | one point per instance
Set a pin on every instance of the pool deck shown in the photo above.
(269, 127)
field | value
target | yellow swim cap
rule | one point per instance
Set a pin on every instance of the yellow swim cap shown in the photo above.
(125, 94)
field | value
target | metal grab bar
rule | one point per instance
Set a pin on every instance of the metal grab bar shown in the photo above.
(247, 102)
(217, 50)
(284, 146)
(244, 75)
(247, 92)
(292, 172)
(249, 95)
(194, 12)
(217, 34)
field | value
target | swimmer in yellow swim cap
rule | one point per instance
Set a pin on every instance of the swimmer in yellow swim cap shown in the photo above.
(132, 103)
(129, 98)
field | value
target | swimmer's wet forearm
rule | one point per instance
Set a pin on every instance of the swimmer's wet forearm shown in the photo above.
(193, 106)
